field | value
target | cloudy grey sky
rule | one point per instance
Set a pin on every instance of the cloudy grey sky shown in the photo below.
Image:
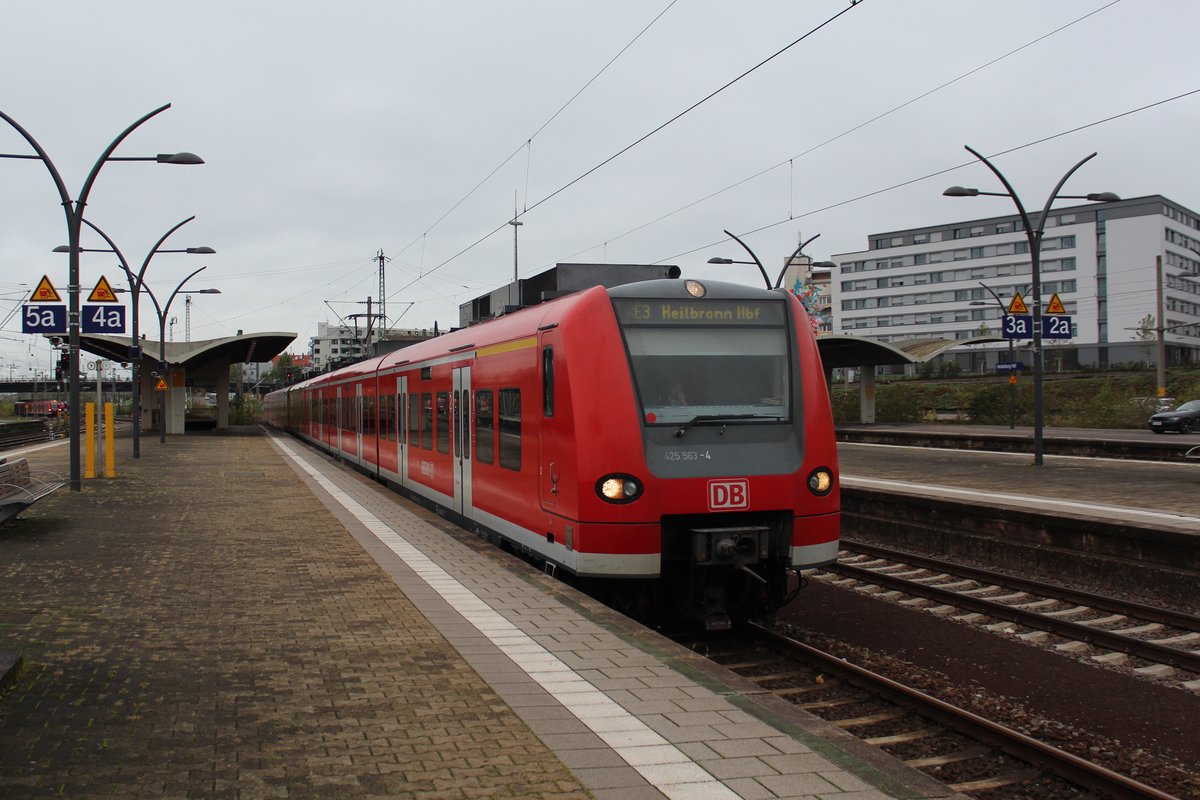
(334, 131)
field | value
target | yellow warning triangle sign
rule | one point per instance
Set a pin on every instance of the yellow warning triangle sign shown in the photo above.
(1017, 306)
(1056, 306)
(161, 386)
(103, 293)
(45, 292)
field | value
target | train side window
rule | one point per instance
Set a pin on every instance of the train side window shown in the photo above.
(442, 436)
(485, 438)
(414, 420)
(510, 428)
(426, 421)
(547, 381)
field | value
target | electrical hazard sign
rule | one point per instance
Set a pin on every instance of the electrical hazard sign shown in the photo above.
(1056, 305)
(103, 293)
(1017, 306)
(45, 292)
(161, 386)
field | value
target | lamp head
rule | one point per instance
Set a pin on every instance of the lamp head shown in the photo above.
(1103, 197)
(960, 191)
(207, 251)
(716, 260)
(179, 158)
(62, 248)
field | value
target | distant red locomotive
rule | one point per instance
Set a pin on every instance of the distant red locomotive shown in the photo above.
(671, 437)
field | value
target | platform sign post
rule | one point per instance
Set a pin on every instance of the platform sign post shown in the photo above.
(99, 313)
(1018, 322)
(1056, 323)
(44, 313)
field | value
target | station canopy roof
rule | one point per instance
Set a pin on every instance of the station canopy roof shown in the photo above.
(241, 349)
(840, 350)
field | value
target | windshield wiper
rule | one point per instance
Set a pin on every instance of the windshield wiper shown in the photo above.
(717, 419)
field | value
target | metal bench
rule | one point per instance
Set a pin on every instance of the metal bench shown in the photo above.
(20, 487)
(1193, 453)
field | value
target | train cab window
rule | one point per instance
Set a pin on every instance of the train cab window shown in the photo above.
(442, 437)
(426, 421)
(510, 428)
(715, 359)
(485, 431)
(547, 381)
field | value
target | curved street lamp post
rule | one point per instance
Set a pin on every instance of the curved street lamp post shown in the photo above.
(1012, 386)
(136, 282)
(73, 209)
(787, 262)
(1034, 237)
(162, 312)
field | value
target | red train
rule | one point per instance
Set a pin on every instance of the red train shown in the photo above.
(39, 408)
(672, 438)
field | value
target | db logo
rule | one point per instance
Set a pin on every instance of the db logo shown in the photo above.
(728, 495)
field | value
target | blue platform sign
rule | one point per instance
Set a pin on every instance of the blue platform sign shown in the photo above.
(43, 319)
(1017, 326)
(1056, 326)
(103, 319)
(1010, 366)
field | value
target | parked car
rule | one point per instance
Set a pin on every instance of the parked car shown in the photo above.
(1185, 419)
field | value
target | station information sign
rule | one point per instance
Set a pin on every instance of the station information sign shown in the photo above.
(39, 316)
(1017, 326)
(708, 312)
(44, 319)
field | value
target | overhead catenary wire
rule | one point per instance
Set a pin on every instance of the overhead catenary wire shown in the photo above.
(789, 162)
(939, 172)
(642, 139)
(528, 143)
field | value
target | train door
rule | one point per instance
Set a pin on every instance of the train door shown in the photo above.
(402, 426)
(461, 409)
(549, 457)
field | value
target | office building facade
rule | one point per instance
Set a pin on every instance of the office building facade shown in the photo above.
(955, 281)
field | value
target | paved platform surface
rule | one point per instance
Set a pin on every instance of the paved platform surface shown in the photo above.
(236, 616)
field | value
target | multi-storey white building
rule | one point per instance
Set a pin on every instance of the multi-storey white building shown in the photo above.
(1101, 260)
(336, 343)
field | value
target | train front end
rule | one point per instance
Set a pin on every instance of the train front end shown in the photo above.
(740, 457)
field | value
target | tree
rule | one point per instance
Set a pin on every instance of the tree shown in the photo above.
(1147, 331)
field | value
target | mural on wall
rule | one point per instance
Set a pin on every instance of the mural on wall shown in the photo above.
(810, 297)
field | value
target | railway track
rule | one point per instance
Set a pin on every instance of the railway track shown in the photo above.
(1154, 642)
(973, 755)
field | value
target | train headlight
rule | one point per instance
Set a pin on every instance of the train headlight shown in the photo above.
(619, 488)
(695, 288)
(820, 481)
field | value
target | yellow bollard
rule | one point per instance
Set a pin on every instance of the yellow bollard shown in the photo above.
(89, 436)
(110, 460)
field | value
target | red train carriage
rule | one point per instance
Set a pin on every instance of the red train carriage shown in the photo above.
(674, 437)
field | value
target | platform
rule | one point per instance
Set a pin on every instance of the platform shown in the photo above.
(238, 616)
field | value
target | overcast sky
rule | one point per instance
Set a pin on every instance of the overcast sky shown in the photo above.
(334, 131)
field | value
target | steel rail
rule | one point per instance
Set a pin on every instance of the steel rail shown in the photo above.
(1151, 651)
(1164, 616)
(1066, 765)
